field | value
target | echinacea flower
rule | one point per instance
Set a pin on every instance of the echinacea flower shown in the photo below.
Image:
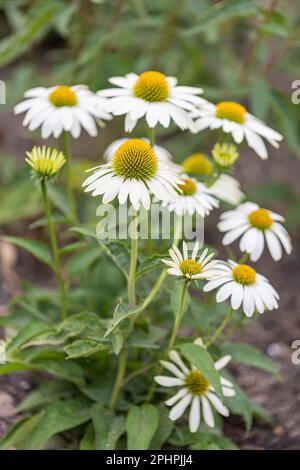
(45, 161)
(183, 265)
(255, 225)
(245, 286)
(225, 155)
(195, 390)
(62, 108)
(153, 95)
(162, 153)
(134, 172)
(226, 187)
(195, 197)
(234, 119)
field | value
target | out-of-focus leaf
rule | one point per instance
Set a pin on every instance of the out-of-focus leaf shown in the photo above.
(83, 259)
(58, 417)
(14, 46)
(288, 117)
(35, 247)
(223, 11)
(244, 354)
(260, 97)
(30, 330)
(20, 431)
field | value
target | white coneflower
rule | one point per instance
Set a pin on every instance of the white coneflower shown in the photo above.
(153, 95)
(195, 390)
(134, 172)
(234, 119)
(255, 225)
(62, 108)
(45, 161)
(245, 286)
(195, 197)
(183, 265)
(226, 187)
(162, 153)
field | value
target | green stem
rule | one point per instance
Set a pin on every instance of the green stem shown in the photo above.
(172, 339)
(152, 136)
(55, 250)
(244, 258)
(119, 379)
(133, 260)
(70, 192)
(221, 328)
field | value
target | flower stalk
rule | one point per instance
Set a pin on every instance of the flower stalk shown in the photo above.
(55, 250)
(70, 192)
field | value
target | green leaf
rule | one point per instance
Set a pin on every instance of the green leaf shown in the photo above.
(121, 313)
(20, 431)
(46, 393)
(82, 260)
(152, 262)
(223, 11)
(58, 417)
(58, 197)
(141, 425)
(287, 115)
(201, 359)
(208, 441)
(35, 247)
(17, 44)
(83, 348)
(88, 440)
(28, 331)
(260, 97)
(164, 429)
(108, 428)
(245, 354)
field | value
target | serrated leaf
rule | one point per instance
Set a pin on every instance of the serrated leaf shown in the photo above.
(35, 247)
(141, 425)
(202, 360)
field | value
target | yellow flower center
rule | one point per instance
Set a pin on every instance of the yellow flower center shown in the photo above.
(196, 383)
(63, 96)
(151, 86)
(188, 187)
(45, 161)
(261, 219)
(198, 164)
(135, 159)
(231, 111)
(244, 274)
(190, 267)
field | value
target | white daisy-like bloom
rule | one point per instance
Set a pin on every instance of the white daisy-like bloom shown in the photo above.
(254, 226)
(195, 197)
(134, 173)
(228, 189)
(234, 119)
(195, 390)
(245, 286)
(183, 265)
(154, 96)
(162, 153)
(62, 108)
